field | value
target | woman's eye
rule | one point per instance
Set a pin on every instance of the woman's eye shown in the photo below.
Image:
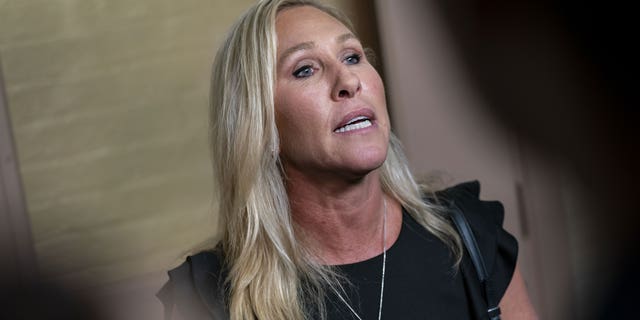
(352, 59)
(303, 72)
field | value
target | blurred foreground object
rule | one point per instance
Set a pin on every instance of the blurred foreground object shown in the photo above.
(34, 300)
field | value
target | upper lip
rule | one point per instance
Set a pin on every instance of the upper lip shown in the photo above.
(363, 112)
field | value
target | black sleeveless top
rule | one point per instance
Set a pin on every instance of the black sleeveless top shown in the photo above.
(420, 280)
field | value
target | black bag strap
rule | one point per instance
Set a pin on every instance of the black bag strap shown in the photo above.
(470, 243)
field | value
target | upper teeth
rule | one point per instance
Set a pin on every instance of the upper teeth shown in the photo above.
(357, 119)
(354, 126)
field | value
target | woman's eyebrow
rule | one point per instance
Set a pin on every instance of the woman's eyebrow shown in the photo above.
(344, 37)
(298, 47)
(310, 45)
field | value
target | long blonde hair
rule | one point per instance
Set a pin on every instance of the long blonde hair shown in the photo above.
(270, 273)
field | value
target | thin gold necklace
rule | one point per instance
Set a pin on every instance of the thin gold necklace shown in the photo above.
(384, 266)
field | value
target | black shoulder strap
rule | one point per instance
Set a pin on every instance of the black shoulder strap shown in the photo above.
(469, 240)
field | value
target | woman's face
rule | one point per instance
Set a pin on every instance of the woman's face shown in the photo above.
(330, 106)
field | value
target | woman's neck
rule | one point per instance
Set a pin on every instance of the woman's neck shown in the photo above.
(342, 222)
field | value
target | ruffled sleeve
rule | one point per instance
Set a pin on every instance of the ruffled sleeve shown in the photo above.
(196, 289)
(499, 248)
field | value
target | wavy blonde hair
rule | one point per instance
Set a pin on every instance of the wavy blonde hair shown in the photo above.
(270, 273)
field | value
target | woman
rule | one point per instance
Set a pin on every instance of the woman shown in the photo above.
(321, 217)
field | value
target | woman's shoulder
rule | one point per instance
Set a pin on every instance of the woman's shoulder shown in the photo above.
(482, 214)
(498, 247)
(208, 261)
(196, 286)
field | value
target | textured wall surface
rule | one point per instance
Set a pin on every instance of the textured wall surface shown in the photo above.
(108, 103)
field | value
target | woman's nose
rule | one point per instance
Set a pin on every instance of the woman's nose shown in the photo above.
(347, 84)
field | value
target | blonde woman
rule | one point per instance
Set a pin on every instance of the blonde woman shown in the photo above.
(320, 216)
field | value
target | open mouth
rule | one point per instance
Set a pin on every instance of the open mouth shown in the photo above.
(356, 123)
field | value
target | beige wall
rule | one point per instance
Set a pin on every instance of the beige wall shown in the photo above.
(108, 106)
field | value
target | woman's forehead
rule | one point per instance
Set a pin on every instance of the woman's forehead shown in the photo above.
(301, 20)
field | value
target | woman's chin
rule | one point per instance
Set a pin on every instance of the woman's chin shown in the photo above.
(364, 163)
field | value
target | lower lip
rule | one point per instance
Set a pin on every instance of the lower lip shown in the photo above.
(355, 128)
